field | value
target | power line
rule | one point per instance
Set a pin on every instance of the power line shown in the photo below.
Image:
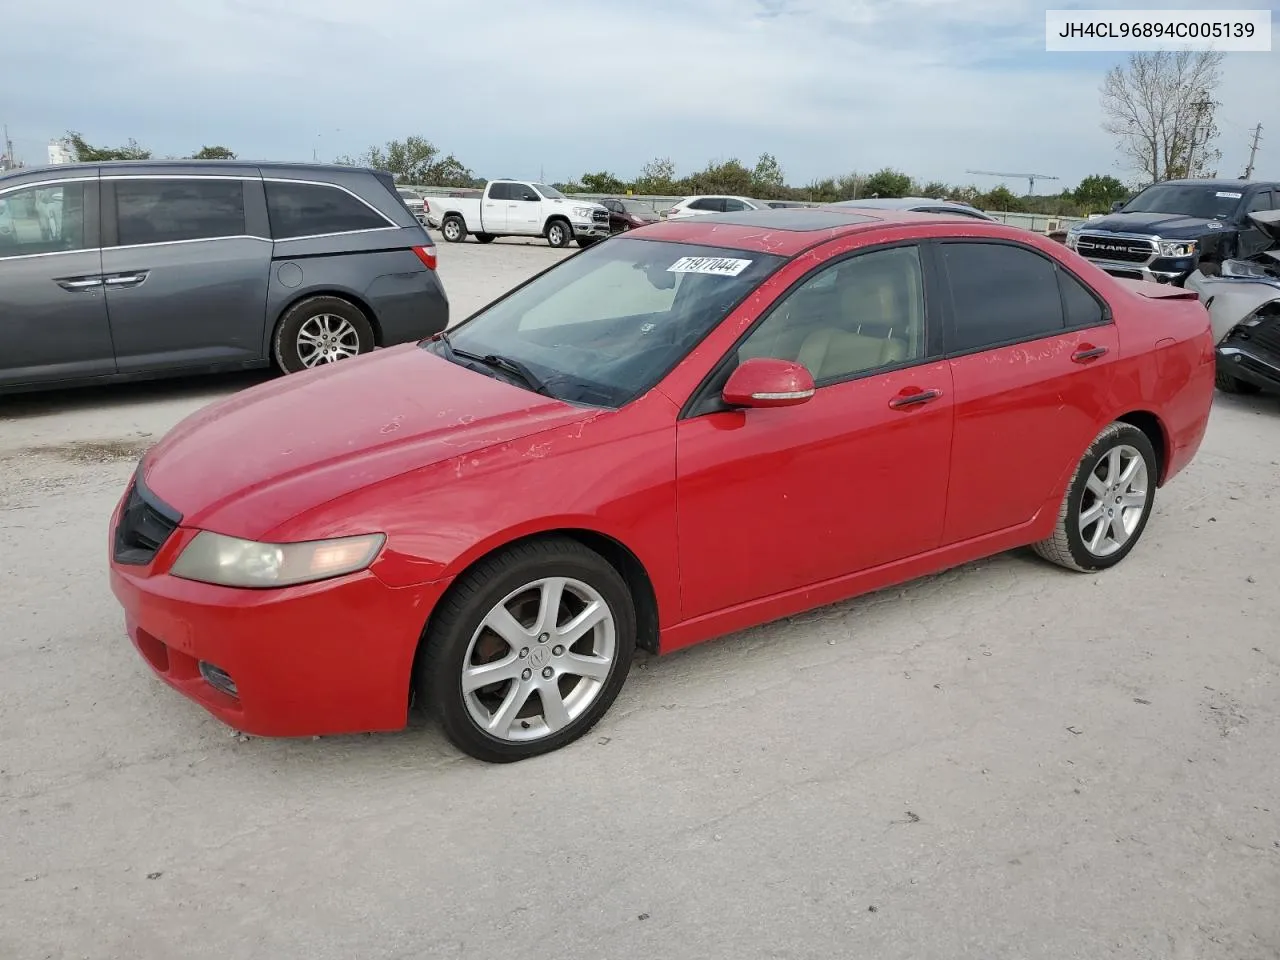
(1253, 151)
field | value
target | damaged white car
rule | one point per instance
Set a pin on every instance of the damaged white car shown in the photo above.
(1243, 300)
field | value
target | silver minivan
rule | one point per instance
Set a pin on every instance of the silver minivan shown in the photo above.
(144, 269)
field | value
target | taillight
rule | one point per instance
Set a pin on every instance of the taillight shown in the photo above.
(427, 255)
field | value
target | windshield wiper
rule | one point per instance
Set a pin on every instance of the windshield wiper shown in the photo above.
(498, 362)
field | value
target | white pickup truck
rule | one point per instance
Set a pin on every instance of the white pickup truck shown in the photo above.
(518, 208)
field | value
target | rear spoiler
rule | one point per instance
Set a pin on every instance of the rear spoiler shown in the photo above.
(1157, 291)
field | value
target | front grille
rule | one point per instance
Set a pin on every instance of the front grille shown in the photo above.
(1120, 249)
(145, 524)
(600, 216)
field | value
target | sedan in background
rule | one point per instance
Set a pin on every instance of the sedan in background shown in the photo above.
(676, 434)
(917, 205)
(627, 214)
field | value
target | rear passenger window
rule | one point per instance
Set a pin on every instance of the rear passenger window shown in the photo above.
(1002, 294)
(707, 203)
(1083, 309)
(315, 209)
(169, 211)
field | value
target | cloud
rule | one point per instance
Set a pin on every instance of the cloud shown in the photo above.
(934, 87)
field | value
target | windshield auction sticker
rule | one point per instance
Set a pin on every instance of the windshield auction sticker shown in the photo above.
(716, 266)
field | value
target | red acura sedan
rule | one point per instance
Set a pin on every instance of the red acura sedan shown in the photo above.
(677, 433)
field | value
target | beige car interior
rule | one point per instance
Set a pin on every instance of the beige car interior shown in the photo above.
(865, 313)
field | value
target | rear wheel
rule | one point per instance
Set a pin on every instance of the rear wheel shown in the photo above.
(319, 331)
(528, 650)
(1229, 384)
(454, 228)
(485, 238)
(1107, 504)
(559, 234)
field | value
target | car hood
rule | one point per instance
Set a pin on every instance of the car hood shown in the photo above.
(247, 464)
(1168, 226)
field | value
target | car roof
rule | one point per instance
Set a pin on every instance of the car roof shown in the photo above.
(274, 166)
(790, 230)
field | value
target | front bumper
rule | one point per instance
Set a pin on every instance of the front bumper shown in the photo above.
(1250, 362)
(591, 229)
(325, 658)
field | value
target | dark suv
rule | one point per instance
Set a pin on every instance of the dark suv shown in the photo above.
(134, 270)
(1174, 227)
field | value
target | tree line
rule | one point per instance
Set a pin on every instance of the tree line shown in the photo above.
(1158, 107)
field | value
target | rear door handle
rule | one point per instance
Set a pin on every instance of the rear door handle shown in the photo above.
(117, 280)
(79, 284)
(913, 397)
(1087, 353)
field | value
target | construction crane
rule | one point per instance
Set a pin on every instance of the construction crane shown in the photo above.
(1031, 178)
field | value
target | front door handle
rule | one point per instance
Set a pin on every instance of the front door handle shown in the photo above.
(913, 397)
(1088, 352)
(118, 280)
(79, 284)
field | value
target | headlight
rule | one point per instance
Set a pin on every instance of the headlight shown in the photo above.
(583, 212)
(1177, 248)
(231, 562)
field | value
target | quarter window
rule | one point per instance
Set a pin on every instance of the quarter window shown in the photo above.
(1001, 294)
(855, 316)
(170, 211)
(42, 219)
(1082, 307)
(316, 209)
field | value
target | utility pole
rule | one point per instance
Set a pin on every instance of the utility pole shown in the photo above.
(1253, 151)
(1199, 106)
(10, 163)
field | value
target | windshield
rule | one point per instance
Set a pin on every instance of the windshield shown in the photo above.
(605, 325)
(639, 208)
(1204, 202)
(551, 193)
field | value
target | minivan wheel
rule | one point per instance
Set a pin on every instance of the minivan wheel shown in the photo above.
(319, 331)
(528, 650)
(559, 234)
(454, 229)
(1108, 502)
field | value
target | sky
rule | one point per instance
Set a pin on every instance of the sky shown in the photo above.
(556, 89)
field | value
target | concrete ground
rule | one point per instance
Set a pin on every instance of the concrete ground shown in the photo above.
(1004, 761)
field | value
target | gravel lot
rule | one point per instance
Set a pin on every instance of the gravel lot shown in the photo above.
(1006, 760)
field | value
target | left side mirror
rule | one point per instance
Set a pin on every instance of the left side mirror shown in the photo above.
(767, 382)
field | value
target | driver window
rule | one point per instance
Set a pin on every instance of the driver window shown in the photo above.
(522, 191)
(854, 316)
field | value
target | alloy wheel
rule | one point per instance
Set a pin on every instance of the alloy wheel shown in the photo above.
(327, 338)
(539, 659)
(1114, 500)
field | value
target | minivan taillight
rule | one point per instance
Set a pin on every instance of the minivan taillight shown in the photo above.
(427, 255)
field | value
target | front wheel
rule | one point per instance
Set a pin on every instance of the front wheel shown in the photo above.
(454, 229)
(319, 331)
(1107, 504)
(559, 234)
(1229, 384)
(528, 650)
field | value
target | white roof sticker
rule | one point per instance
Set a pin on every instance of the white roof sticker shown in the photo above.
(717, 266)
(1231, 194)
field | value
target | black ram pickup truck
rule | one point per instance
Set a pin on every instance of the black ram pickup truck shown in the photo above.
(1175, 227)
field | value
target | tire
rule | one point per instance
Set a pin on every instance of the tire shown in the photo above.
(485, 238)
(559, 234)
(1068, 547)
(585, 242)
(453, 228)
(457, 639)
(1229, 384)
(300, 338)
